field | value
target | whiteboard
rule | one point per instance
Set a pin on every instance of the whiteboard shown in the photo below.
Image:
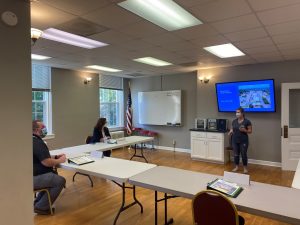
(160, 108)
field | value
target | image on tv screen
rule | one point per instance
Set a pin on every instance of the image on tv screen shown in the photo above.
(253, 96)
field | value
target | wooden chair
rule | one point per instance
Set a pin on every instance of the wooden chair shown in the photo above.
(213, 208)
(87, 141)
(48, 195)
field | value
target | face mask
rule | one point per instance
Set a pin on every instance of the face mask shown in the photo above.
(238, 114)
(44, 132)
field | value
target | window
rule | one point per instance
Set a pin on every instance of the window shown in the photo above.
(112, 100)
(111, 107)
(41, 95)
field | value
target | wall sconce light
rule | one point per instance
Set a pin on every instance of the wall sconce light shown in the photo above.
(204, 80)
(87, 80)
(35, 34)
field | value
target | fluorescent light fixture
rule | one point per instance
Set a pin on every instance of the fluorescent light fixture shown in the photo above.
(71, 39)
(39, 57)
(103, 68)
(153, 61)
(224, 51)
(164, 13)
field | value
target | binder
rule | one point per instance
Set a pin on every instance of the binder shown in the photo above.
(80, 160)
(229, 189)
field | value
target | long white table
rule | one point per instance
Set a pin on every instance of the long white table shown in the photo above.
(296, 180)
(276, 202)
(122, 142)
(116, 170)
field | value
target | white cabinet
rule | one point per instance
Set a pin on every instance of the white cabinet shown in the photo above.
(208, 146)
(198, 148)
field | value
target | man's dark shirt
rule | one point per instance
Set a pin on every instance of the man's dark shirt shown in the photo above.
(40, 152)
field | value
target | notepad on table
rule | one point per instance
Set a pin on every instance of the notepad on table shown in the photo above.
(225, 187)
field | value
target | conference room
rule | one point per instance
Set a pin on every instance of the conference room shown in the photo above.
(150, 112)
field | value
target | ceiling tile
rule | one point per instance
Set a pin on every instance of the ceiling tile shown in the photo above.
(44, 16)
(142, 29)
(112, 37)
(220, 10)
(280, 15)
(286, 38)
(265, 49)
(161, 39)
(112, 16)
(269, 59)
(177, 46)
(237, 24)
(265, 54)
(286, 52)
(210, 40)
(292, 57)
(247, 34)
(289, 45)
(261, 42)
(195, 32)
(136, 45)
(284, 28)
(270, 4)
(77, 7)
(190, 3)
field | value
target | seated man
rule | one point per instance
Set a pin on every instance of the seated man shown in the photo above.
(43, 174)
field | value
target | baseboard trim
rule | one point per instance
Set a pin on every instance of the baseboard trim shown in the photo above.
(262, 162)
(251, 161)
(169, 148)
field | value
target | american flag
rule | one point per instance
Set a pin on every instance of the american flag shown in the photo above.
(129, 113)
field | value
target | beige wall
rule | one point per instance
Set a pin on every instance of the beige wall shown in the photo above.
(75, 107)
(185, 82)
(265, 142)
(16, 185)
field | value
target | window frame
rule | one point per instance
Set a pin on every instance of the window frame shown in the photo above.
(48, 104)
(120, 96)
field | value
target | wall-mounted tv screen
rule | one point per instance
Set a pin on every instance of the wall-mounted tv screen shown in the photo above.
(253, 96)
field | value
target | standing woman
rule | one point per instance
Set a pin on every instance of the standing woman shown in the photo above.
(241, 127)
(101, 134)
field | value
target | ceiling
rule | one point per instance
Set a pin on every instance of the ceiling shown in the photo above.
(265, 30)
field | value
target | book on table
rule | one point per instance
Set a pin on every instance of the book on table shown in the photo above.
(225, 187)
(80, 160)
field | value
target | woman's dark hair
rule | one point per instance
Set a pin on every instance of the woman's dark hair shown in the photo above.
(241, 110)
(100, 123)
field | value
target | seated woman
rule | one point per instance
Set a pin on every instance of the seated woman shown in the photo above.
(101, 134)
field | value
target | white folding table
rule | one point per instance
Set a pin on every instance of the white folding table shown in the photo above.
(296, 180)
(99, 146)
(116, 170)
(276, 202)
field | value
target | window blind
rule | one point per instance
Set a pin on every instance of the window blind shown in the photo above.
(41, 77)
(110, 82)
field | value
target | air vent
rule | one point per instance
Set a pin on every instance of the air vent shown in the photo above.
(81, 27)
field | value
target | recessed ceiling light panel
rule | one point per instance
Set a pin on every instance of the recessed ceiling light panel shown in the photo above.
(39, 57)
(225, 50)
(71, 39)
(164, 13)
(153, 61)
(103, 68)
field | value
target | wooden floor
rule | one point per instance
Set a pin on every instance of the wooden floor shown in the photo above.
(79, 204)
